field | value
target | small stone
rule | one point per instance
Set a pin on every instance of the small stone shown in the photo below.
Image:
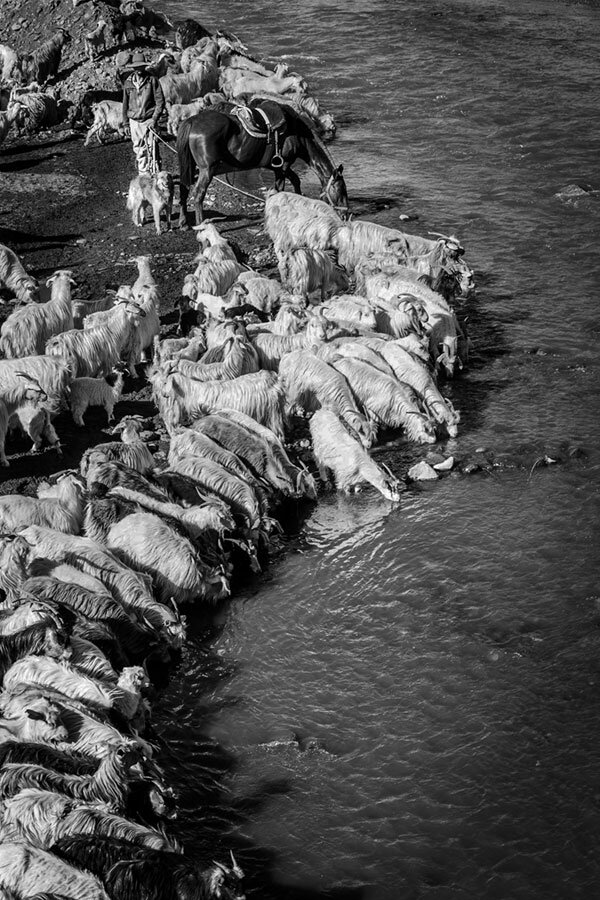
(422, 471)
(444, 466)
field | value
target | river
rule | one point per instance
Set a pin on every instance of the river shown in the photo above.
(405, 705)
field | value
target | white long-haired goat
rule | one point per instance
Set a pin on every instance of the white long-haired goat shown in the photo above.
(335, 450)
(26, 871)
(310, 383)
(98, 350)
(293, 221)
(28, 328)
(272, 348)
(149, 544)
(58, 506)
(15, 278)
(388, 402)
(304, 271)
(259, 395)
(87, 392)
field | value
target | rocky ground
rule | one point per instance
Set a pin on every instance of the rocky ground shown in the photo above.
(26, 24)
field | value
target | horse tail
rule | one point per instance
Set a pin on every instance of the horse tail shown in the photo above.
(184, 153)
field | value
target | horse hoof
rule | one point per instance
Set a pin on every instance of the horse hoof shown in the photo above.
(183, 226)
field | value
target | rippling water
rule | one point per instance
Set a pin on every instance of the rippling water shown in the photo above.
(406, 705)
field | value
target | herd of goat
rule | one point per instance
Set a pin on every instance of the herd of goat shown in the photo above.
(357, 336)
(95, 569)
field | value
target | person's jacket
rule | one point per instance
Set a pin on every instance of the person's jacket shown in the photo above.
(142, 99)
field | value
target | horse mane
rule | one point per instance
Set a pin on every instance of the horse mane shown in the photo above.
(319, 143)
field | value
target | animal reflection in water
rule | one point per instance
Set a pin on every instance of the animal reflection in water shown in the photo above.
(214, 142)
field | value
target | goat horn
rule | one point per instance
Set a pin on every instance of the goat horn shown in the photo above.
(34, 381)
(236, 869)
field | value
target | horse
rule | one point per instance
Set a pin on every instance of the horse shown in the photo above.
(215, 142)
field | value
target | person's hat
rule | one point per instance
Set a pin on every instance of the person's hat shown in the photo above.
(138, 61)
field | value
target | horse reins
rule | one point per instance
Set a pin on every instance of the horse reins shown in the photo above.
(324, 195)
(324, 192)
(215, 177)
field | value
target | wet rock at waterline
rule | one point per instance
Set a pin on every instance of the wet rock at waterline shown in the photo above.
(422, 471)
(574, 194)
(485, 460)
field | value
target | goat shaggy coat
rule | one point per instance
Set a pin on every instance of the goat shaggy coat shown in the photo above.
(386, 400)
(336, 451)
(26, 871)
(303, 482)
(44, 62)
(272, 348)
(413, 372)
(131, 589)
(294, 221)
(26, 331)
(42, 817)
(14, 278)
(311, 384)
(254, 451)
(304, 271)
(61, 509)
(87, 392)
(146, 541)
(108, 117)
(259, 395)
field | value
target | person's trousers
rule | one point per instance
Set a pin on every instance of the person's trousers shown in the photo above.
(145, 147)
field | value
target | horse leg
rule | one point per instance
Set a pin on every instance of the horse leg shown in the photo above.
(294, 180)
(183, 197)
(279, 179)
(199, 192)
(284, 172)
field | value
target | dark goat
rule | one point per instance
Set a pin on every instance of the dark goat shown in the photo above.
(189, 32)
(188, 317)
(67, 762)
(244, 309)
(134, 637)
(137, 16)
(115, 473)
(103, 512)
(44, 62)
(180, 487)
(35, 640)
(444, 281)
(109, 783)
(130, 871)
(150, 802)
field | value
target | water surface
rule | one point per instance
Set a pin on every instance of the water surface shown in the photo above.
(406, 705)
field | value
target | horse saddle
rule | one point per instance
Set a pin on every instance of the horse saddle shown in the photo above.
(261, 119)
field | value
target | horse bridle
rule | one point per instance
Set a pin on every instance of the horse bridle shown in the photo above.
(325, 195)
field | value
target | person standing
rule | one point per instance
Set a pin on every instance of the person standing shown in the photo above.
(143, 105)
